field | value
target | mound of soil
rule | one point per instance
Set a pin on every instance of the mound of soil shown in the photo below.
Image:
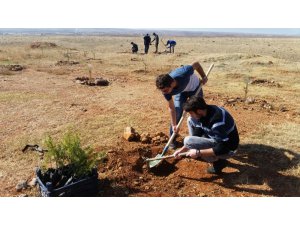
(43, 45)
(258, 104)
(156, 139)
(135, 59)
(265, 82)
(64, 63)
(92, 82)
(140, 71)
(125, 173)
(14, 67)
(130, 134)
(259, 63)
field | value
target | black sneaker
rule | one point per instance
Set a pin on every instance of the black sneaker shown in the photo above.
(217, 166)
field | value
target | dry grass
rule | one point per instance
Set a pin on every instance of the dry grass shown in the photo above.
(284, 135)
(44, 99)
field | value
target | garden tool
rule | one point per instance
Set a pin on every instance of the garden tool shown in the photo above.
(149, 160)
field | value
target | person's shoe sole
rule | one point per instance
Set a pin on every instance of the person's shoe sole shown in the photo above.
(211, 170)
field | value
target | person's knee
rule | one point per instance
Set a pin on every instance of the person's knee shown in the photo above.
(187, 142)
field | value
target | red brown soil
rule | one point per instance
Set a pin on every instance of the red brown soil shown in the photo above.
(126, 174)
(254, 171)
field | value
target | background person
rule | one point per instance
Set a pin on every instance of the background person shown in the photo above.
(134, 47)
(147, 42)
(156, 39)
(171, 44)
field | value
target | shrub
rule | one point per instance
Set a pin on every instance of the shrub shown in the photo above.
(68, 152)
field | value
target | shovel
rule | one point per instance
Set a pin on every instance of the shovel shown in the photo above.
(159, 158)
(150, 160)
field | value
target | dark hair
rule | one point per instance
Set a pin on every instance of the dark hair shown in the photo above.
(164, 80)
(194, 103)
(154, 33)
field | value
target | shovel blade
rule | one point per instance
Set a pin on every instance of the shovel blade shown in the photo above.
(154, 163)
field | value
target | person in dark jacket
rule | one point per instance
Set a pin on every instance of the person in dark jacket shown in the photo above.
(134, 48)
(147, 42)
(213, 134)
(156, 39)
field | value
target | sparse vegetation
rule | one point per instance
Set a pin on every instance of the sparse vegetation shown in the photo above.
(67, 54)
(247, 82)
(43, 98)
(90, 68)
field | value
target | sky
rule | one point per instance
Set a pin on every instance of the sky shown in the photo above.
(268, 31)
(251, 31)
(185, 14)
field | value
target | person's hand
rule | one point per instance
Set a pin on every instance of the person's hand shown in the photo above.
(193, 153)
(204, 80)
(176, 154)
(175, 129)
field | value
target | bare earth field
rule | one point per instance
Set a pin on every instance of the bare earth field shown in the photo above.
(44, 99)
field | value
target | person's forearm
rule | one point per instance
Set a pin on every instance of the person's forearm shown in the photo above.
(207, 152)
(199, 69)
(172, 112)
(184, 149)
(173, 116)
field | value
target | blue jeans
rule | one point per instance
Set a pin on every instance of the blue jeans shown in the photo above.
(179, 101)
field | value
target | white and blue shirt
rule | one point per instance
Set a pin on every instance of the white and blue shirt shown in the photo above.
(186, 81)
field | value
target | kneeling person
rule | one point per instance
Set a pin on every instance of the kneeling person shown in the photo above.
(213, 134)
(134, 47)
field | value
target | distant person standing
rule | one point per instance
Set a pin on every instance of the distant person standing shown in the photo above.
(156, 39)
(147, 41)
(134, 48)
(171, 44)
